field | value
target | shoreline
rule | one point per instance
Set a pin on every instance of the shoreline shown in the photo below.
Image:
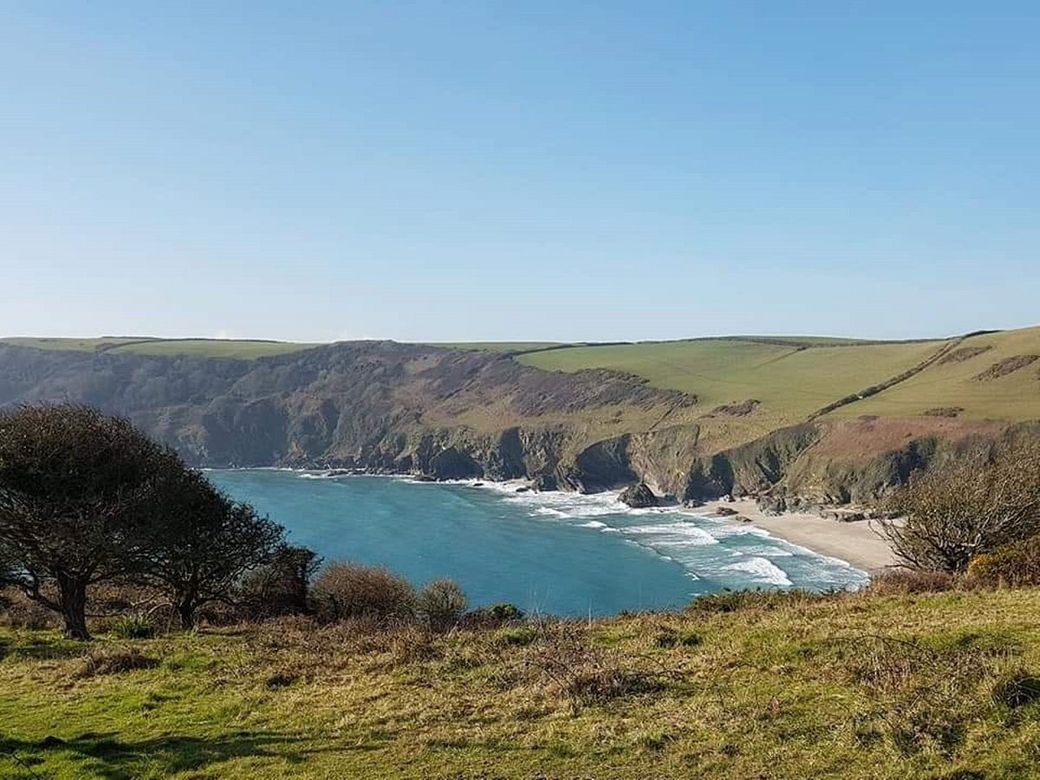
(854, 542)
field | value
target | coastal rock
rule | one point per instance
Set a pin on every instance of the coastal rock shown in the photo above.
(544, 483)
(638, 496)
(725, 511)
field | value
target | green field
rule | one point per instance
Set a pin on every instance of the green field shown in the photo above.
(213, 348)
(244, 349)
(855, 687)
(1014, 396)
(790, 382)
(71, 344)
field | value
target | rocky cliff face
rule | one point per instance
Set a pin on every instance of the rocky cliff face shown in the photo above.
(383, 406)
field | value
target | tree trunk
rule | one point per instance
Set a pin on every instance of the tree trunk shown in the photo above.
(186, 613)
(72, 598)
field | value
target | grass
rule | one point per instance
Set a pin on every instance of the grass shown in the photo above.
(790, 381)
(953, 384)
(70, 344)
(930, 685)
(242, 349)
(213, 348)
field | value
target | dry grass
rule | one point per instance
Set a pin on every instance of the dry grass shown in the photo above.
(859, 686)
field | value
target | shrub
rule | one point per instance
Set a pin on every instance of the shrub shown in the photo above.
(132, 627)
(281, 586)
(1016, 564)
(347, 590)
(585, 675)
(106, 661)
(441, 603)
(668, 638)
(504, 613)
(961, 511)
(902, 581)
(737, 600)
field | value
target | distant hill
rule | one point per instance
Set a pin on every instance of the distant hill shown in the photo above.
(796, 419)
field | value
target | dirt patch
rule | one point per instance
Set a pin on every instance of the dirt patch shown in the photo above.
(964, 353)
(743, 409)
(1006, 366)
(944, 411)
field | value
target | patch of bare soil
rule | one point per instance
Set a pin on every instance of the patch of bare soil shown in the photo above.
(944, 411)
(964, 353)
(743, 409)
(1006, 366)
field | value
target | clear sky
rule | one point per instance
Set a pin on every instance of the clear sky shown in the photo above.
(518, 170)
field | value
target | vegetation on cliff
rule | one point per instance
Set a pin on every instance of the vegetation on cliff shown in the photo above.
(802, 420)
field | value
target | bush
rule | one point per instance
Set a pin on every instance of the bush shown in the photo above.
(117, 661)
(903, 581)
(737, 600)
(281, 586)
(132, 627)
(961, 511)
(347, 590)
(441, 603)
(1016, 564)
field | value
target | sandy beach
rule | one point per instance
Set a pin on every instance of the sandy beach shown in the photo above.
(855, 542)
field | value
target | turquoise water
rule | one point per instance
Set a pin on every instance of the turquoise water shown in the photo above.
(553, 553)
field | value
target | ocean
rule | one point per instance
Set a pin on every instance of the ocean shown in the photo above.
(548, 553)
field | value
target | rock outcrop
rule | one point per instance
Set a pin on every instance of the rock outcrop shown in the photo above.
(638, 496)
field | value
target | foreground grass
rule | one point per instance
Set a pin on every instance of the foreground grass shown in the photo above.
(895, 687)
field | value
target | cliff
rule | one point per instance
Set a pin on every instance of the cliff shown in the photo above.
(451, 413)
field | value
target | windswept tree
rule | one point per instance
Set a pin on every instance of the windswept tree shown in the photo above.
(950, 515)
(204, 543)
(76, 487)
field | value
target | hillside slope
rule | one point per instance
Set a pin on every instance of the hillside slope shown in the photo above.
(860, 686)
(800, 420)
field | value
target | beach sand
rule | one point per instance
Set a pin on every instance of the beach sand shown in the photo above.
(855, 542)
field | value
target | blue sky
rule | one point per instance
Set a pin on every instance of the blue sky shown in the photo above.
(529, 170)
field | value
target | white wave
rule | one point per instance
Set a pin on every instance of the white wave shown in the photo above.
(595, 524)
(677, 534)
(762, 570)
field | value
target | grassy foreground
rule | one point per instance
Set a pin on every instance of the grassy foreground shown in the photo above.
(784, 686)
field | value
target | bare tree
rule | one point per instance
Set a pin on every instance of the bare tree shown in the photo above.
(75, 489)
(954, 513)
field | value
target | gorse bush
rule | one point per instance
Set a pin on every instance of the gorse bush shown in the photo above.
(1016, 564)
(441, 604)
(348, 590)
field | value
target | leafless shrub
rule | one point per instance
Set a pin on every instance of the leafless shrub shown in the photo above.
(961, 511)
(347, 590)
(586, 675)
(441, 604)
(902, 581)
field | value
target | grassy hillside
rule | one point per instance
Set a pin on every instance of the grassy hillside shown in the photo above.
(855, 687)
(790, 381)
(245, 349)
(992, 376)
